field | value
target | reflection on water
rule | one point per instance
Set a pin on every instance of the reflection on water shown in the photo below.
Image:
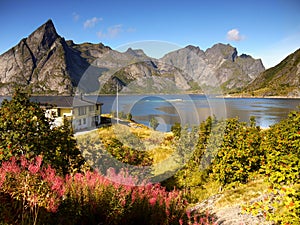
(266, 111)
(192, 109)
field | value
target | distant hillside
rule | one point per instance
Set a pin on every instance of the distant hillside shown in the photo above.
(280, 80)
(45, 63)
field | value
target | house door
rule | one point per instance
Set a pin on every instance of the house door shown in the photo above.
(95, 121)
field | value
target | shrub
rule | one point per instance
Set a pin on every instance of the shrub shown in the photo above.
(129, 116)
(281, 168)
(282, 145)
(153, 123)
(29, 191)
(176, 129)
(239, 154)
(192, 175)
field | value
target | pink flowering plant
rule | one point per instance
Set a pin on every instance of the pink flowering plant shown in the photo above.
(31, 187)
(33, 193)
(95, 198)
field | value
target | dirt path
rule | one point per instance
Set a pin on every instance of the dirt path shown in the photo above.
(229, 215)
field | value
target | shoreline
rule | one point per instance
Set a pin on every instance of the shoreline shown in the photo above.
(226, 96)
(264, 97)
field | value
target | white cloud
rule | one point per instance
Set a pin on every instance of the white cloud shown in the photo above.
(111, 32)
(234, 35)
(75, 16)
(91, 22)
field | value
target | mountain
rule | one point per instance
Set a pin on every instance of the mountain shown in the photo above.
(186, 69)
(280, 80)
(46, 63)
(219, 65)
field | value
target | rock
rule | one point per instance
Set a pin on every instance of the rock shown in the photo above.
(229, 215)
(218, 66)
(43, 62)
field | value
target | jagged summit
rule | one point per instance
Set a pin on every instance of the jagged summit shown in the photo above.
(136, 52)
(44, 36)
(219, 65)
(222, 51)
(194, 49)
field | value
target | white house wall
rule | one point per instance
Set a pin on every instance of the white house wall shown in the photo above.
(79, 122)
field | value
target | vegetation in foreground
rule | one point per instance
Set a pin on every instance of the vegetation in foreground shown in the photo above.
(44, 179)
(258, 169)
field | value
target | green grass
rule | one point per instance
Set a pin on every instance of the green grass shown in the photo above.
(243, 193)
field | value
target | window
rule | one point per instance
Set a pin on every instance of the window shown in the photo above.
(58, 112)
(91, 108)
(79, 122)
(81, 111)
(84, 120)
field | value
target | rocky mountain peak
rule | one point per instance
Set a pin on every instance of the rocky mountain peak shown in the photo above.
(135, 52)
(222, 51)
(43, 37)
(195, 49)
(221, 61)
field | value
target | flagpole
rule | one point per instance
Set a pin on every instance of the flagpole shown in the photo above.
(117, 103)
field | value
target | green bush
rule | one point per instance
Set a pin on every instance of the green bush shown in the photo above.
(239, 154)
(282, 145)
(176, 129)
(153, 123)
(281, 168)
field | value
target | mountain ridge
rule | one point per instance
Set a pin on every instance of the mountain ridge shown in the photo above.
(46, 63)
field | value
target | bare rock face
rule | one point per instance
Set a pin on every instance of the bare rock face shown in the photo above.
(37, 62)
(44, 63)
(219, 65)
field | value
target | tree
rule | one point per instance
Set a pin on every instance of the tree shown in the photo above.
(176, 129)
(154, 123)
(121, 115)
(129, 116)
(25, 130)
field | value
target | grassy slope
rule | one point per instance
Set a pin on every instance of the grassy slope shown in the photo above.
(160, 149)
(281, 79)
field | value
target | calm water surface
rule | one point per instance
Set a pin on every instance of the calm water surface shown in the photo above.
(192, 109)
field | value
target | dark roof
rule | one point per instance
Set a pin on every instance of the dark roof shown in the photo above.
(63, 101)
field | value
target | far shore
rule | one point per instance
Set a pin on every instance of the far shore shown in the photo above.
(184, 93)
(250, 96)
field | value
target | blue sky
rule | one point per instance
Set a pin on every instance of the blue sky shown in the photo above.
(266, 29)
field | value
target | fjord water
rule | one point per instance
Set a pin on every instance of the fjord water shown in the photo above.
(192, 109)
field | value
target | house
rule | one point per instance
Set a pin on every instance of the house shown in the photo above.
(83, 112)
